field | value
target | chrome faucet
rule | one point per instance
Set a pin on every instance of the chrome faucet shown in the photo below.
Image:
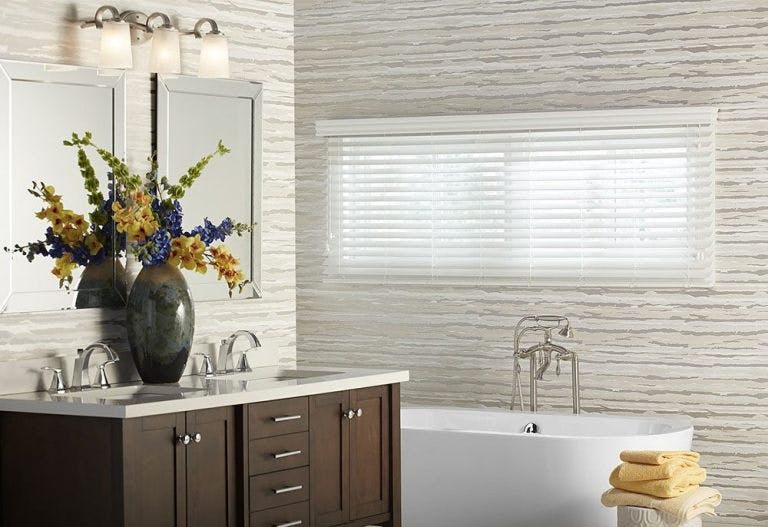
(81, 379)
(540, 356)
(226, 348)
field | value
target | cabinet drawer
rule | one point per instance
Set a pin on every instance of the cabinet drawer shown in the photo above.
(279, 488)
(278, 453)
(296, 515)
(275, 418)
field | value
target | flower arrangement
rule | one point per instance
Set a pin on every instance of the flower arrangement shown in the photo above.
(142, 215)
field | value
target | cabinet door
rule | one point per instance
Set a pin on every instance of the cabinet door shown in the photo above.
(211, 466)
(369, 452)
(329, 459)
(155, 471)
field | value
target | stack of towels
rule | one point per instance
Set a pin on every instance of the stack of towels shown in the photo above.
(669, 482)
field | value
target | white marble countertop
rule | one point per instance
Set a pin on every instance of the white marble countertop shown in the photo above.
(197, 393)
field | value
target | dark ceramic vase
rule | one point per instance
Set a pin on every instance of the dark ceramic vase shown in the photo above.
(161, 323)
(102, 285)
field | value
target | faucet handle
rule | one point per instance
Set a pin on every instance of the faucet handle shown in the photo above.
(242, 364)
(57, 383)
(208, 369)
(103, 381)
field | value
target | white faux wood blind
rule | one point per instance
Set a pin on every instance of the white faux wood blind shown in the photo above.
(608, 198)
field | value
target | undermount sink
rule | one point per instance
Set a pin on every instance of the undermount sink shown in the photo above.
(136, 391)
(281, 375)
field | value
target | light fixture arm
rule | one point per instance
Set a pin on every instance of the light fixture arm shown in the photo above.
(98, 18)
(165, 18)
(197, 31)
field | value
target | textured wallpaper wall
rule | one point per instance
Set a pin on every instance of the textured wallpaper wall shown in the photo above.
(261, 48)
(702, 353)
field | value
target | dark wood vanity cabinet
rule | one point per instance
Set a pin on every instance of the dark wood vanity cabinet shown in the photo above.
(354, 452)
(180, 469)
(136, 472)
(325, 460)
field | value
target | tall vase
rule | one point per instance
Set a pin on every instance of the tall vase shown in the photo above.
(161, 323)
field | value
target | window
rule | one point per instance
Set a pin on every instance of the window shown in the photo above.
(608, 198)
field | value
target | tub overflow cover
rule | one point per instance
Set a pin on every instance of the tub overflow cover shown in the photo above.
(531, 428)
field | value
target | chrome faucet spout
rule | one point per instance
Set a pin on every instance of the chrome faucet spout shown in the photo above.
(227, 347)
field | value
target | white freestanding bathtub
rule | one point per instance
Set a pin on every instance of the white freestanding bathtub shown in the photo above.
(475, 468)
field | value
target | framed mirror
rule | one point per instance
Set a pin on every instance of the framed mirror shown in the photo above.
(40, 106)
(193, 115)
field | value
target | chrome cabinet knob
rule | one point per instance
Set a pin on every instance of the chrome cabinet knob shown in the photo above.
(197, 437)
(359, 412)
(184, 439)
(349, 414)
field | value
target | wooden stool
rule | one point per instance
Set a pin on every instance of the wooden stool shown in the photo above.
(640, 517)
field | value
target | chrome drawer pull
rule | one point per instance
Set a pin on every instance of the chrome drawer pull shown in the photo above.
(290, 524)
(284, 418)
(288, 489)
(281, 455)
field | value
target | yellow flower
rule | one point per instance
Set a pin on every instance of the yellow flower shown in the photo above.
(71, 235)
(93, 244)
(137, 221)
(188, 252)
(63, 268)
(50, 194)
(52, 212)
(227, 266)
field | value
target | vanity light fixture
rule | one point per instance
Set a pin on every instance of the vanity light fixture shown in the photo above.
(124, 28)
(115, 48)
(214, 54)
(166, 48)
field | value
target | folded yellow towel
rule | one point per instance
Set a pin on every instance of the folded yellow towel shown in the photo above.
(656, 457)
(702, 500)
(640, 472)
(662, 488)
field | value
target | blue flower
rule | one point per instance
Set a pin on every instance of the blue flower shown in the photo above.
(56, 246)
(209, 232)
(173, 219)
(80, 255)
(158, 248)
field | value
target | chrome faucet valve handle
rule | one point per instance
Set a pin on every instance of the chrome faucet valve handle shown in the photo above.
(103, 381)
(242, 364)
(57, 383)
(208, 370)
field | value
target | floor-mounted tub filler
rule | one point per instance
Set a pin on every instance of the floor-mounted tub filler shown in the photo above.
(495, 468)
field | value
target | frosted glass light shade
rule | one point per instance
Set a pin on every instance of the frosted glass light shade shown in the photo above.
(214, 57)
(115, 51)
(166, 53)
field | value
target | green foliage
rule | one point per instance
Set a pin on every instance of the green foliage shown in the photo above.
(124, 180)
(188, 179)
